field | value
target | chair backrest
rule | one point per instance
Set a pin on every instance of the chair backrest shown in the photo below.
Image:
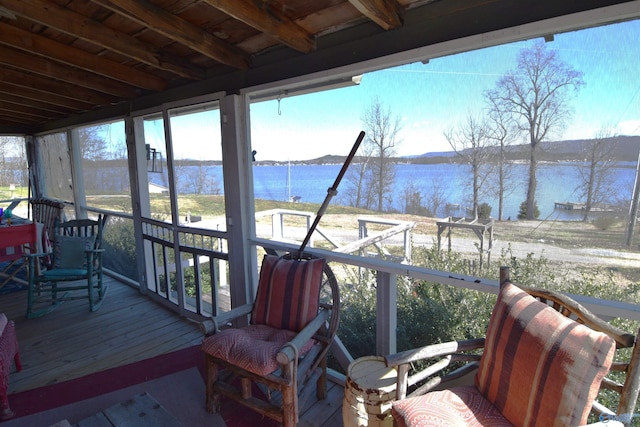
(47, 212)
(624, 375)
(83, 228)
(288, 294)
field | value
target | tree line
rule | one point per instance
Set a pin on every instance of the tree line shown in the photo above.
(531, 102)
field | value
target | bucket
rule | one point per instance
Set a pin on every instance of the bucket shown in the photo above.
(369, 390)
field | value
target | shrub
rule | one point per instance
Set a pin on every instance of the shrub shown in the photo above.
(605, 222)
(522, 212)
(484, 211)
(120, 246)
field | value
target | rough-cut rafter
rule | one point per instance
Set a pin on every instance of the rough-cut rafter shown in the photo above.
(42, 46)
(76, 25)
(262, 17)
(178, 29)
(54, 91)
(386, 13)
(61, 72)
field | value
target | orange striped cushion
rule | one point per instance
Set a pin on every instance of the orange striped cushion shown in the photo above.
(457, 406)
(540, 368)
(288, 292)
(254, 347)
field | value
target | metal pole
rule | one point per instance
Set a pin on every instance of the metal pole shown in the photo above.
(633, 210)
(332, 191)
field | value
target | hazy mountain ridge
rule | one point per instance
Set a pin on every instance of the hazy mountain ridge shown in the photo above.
(626, 149)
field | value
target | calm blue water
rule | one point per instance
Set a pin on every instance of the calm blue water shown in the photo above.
(556, 183)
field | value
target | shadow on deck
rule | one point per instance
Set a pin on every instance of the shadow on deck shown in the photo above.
(72, 342)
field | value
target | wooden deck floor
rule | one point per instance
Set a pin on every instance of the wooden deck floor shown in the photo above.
(72, 342)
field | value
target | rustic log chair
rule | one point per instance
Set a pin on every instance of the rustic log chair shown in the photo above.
(284, 347)
(76, 259)
(535, 367)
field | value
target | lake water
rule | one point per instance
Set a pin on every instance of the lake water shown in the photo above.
(557, 182)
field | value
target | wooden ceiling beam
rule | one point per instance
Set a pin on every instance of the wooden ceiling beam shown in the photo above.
(42, 46)
(11, 107)
(55, 92)
(388, 14)
(9, 118)
(57, 71)
(179, 30)
(76, 25)
(16, 95)
(45, 99)
(269, 21)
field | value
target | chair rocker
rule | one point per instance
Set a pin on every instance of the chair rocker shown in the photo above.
(76, 261)
(543, 362)
(284, 347)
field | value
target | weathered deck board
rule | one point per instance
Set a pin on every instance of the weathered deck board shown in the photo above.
(72, 342)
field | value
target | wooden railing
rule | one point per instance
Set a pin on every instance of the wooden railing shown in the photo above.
(185, 288)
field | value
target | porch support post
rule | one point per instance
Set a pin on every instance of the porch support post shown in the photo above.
(238, 196)
(134, 130)
(386, 313)
(73, 144)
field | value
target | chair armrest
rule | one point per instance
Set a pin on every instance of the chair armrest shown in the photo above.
(446, 352)
(212, 325)
(289, 351)
(434, 350)
(38, 255)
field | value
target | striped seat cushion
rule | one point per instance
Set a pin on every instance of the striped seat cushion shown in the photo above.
(457, 406)
(253, 348)
(540, 368)
(288, 292)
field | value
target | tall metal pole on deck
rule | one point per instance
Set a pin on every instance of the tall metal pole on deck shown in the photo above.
(332, 191)
(633, 210)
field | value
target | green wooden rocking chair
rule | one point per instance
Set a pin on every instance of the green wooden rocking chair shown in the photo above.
(76, 261)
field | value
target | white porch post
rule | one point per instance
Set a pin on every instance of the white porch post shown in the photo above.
(73, 144)
(238, 196)
(134, 130)
(386, 313)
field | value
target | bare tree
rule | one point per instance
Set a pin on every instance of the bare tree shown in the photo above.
(597, 184)
(196, 178)
(92, 145)
(356, 177)
(13, 161)
(435, 197)
(413, 200)
(470, 141)
(501, 130)
(536, 95)
(382, 130)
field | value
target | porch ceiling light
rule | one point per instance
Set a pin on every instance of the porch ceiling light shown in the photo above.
(305, 88)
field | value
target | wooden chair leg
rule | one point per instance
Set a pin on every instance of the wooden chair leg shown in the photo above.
(290, 397)
(90, 290)
(321, 385)
(211, 374)
(245, 386)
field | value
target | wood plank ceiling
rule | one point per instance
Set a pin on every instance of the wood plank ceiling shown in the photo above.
(61, 60)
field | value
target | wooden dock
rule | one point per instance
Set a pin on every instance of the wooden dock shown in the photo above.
(581, 207)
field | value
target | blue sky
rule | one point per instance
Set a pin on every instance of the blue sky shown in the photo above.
(431, 98)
